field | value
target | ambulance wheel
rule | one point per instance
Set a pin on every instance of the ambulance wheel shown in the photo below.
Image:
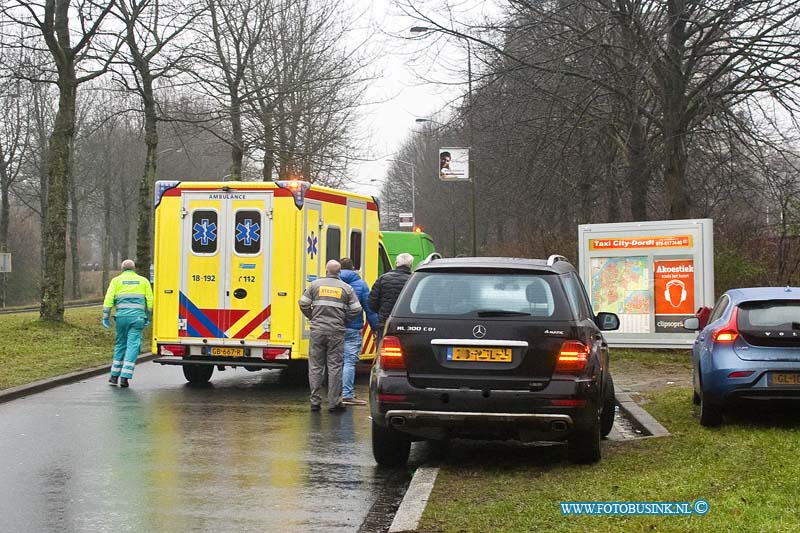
(198, 373)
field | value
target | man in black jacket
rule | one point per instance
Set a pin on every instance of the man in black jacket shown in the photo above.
(387, 288)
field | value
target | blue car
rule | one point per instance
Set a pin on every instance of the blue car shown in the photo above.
(748, 351)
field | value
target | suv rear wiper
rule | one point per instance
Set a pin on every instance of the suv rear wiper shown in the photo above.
(500, 312)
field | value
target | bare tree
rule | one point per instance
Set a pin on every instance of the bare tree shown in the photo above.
(51, 21)
(14, 141)
(152, 36)
(697, 59)
(226, 45)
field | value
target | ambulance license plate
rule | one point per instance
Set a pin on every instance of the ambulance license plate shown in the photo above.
(228, 352)
(480, 354)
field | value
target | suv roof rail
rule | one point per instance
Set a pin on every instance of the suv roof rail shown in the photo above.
(553, 259)
(431, 258)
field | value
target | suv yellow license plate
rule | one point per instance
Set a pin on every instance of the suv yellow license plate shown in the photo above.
(479, 353)
(228, 352)
(781, 379)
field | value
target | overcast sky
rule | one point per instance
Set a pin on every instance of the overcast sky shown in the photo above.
(402, 93)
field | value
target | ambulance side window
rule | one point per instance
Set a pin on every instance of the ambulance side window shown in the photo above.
(204, 232)
(355, 249)
(333, 243)
(247, 232)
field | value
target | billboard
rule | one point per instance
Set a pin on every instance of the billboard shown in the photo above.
(454, 164)
(653, 275)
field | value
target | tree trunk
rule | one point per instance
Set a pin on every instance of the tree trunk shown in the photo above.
(44, 158)
(639, 174)
(269, 146)
(237, 147)
(54, 235)
(675, 109)
(144, 230)
(4, 221)
(675, 174)
(106, 235)
(73, 245)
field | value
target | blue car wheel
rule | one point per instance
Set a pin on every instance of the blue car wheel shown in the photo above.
(710, 413)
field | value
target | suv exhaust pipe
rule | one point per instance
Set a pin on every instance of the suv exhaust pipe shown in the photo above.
(558, 426)
(397, 421)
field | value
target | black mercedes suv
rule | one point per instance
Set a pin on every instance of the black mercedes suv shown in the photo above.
(493, 348)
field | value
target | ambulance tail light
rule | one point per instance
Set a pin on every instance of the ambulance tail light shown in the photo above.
(391, 354)
(176, 350)
(272, 354)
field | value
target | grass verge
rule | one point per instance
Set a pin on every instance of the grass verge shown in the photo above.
(35, 350)
(746, 471)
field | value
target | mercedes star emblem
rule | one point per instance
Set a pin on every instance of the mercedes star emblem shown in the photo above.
(479, 331)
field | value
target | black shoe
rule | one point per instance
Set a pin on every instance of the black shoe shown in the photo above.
(123, 382)
(113, 380)
(338, 408)
(315, 407)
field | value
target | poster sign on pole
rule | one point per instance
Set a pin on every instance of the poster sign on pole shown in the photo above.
(5, 262)
(406, 220)
(653, 275)
(454, 164)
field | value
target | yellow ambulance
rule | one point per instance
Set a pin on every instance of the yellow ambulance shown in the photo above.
(232, 259)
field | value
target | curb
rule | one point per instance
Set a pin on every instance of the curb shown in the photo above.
(39, 386)
(416, 498)
(645, 420)
(419, 490)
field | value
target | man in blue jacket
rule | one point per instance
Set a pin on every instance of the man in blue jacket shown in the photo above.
(352, 332)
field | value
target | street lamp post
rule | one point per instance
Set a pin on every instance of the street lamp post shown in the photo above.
(425, 29)
(413, 192)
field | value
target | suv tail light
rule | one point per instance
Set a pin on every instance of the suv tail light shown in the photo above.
(572, 358)
(391, 354)
(729, 332)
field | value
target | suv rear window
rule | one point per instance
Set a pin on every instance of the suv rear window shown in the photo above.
(779, 314)
(490, 294)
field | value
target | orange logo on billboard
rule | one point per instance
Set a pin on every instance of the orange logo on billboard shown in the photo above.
(674, 286)
(637, 243)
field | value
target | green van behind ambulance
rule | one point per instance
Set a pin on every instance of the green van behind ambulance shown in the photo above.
(420, 245)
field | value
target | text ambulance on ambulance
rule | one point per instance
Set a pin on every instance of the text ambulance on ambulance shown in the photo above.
(233, 258)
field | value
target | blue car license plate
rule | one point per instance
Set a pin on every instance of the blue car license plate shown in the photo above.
(783, 379)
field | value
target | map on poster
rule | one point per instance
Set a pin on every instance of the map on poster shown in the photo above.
(621, 285)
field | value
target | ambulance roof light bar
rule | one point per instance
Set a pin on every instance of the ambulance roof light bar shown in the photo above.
(298, 189)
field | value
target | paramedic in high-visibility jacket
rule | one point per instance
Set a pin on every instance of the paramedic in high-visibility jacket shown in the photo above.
(329, 303)
(132, 295)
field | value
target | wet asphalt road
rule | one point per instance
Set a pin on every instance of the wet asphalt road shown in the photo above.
(243, 453)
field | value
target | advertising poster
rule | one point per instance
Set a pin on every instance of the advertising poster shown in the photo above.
(454, 164)
(621, 285)
(674, 293)
(652, 274)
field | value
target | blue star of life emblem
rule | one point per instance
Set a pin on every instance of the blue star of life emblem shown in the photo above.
(205, 232)
(247, 232)
(312, 245)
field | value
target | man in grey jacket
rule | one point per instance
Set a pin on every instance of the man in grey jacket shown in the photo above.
(329, 303)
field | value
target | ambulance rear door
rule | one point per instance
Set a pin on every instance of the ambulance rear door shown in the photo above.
(225, 266)
(311, 246)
